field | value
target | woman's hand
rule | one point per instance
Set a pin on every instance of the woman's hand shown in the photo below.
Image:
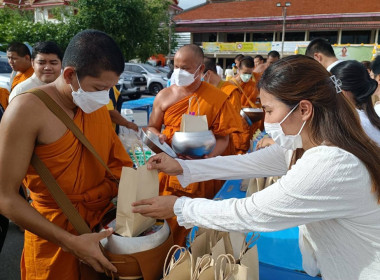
(164, 163)
(86, 248)
(264, 142)
(159, 207)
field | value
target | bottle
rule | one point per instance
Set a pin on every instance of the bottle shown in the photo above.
(128, 114)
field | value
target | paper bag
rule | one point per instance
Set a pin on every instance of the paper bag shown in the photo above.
(135, 184)
(192, 121)
(178, 264)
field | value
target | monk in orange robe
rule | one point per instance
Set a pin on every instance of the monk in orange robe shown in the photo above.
(52, 248)
(247, 81)
(19, 59)
(211, 76)
(4, 96)
(169, 106)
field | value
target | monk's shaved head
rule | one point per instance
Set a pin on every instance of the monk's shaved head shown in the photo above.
(195, 51)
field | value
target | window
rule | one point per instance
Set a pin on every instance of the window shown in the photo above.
(293, 36)
(235, 37)
(262, 37)
(356, 37)
(331, 36)
(199, 38)
(137, 69)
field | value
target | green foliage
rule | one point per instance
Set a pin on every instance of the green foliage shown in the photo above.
(140, 27)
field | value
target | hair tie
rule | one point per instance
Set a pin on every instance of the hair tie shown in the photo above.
(337, 83)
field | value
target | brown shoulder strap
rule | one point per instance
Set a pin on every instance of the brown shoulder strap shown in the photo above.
(242, 91)
(61, 114)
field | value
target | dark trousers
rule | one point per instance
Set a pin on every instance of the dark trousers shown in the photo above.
(4, 222)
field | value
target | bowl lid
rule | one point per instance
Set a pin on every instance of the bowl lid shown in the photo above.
(152, 141)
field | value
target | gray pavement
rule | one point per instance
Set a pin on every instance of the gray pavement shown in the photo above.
(11, 253)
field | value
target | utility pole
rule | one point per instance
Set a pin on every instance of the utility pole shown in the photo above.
(283, 7)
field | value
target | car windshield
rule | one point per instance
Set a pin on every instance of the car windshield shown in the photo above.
(5, 67)
(151, 69)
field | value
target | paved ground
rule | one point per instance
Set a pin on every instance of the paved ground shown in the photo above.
(11, 252)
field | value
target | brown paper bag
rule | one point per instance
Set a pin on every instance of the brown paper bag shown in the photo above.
(192, 122)
(135, 184)
(180, 267)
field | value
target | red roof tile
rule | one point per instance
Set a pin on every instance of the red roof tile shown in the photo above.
(267, 8)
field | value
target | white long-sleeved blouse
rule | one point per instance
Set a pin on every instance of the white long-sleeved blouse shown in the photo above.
(328, 192)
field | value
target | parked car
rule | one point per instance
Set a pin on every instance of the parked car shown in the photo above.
(156, 79)
(131, 85)
(5, 73)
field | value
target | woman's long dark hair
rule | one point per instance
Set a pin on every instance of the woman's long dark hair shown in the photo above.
(334, 120)
(355, 79)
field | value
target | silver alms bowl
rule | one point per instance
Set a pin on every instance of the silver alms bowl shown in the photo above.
(195, 144)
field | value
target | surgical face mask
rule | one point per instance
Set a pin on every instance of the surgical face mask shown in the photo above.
(245, 77)
(89, 101)
(182, 78)
(289, 142)
(205, 77)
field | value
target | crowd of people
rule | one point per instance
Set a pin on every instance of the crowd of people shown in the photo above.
(324, 109)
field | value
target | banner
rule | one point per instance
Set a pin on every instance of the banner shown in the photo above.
(238, 47)
(348, 52)
(227, 47)
(289, 47)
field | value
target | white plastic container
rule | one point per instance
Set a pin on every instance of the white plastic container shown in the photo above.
(128, 114)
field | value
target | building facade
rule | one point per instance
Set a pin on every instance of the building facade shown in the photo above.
(254, 25)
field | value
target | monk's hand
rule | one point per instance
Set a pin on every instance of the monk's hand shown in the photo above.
(86, 248)
(162, 138)
(133, 126)
(164, 163)
(264, 142)
(159, 207)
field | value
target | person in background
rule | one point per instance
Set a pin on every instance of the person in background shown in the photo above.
(229, 74)
(358, 88)
(4, 96)
(322, 51)
(237, 60)
(47, 66)
(367, 65)
(219, 70)
(19, 59)
(53, 249)
(332, 193)
(273, 56)
(114, 109)
(259, 59)
(168, 108)
(246, 82)
(375, 74)
(210, 76)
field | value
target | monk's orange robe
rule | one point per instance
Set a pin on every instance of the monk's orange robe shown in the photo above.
(4, 96)
(222, 120)
(86, 183)
(233, 94)
(20, 77)
(251, 93)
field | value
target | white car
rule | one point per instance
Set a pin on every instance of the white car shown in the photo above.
(5, 73)
(156, 79)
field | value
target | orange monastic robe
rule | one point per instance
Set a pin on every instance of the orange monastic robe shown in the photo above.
(86, 183)
(222, 120)
(251, 92)
(22, 77)
(233, 94)
(4, 96)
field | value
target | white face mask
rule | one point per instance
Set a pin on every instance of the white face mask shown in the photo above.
(245, 77)
(289, 142)
(89, 101)
(182, 78)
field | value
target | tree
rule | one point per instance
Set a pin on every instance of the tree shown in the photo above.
(140, 27)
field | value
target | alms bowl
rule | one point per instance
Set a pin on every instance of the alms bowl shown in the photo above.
(196, 144)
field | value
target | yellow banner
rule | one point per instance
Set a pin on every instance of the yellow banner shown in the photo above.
(244, 46)
(227, 47)
(210, 46)
(262, 47)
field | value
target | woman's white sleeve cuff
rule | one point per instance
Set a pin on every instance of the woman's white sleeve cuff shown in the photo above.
(178, 211)
(185, 178)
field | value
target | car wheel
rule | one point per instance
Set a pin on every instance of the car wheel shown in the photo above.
(155, 88)
(134, 96)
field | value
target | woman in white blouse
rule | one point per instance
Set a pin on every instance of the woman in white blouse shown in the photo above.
(332, 192)
(358, 87)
